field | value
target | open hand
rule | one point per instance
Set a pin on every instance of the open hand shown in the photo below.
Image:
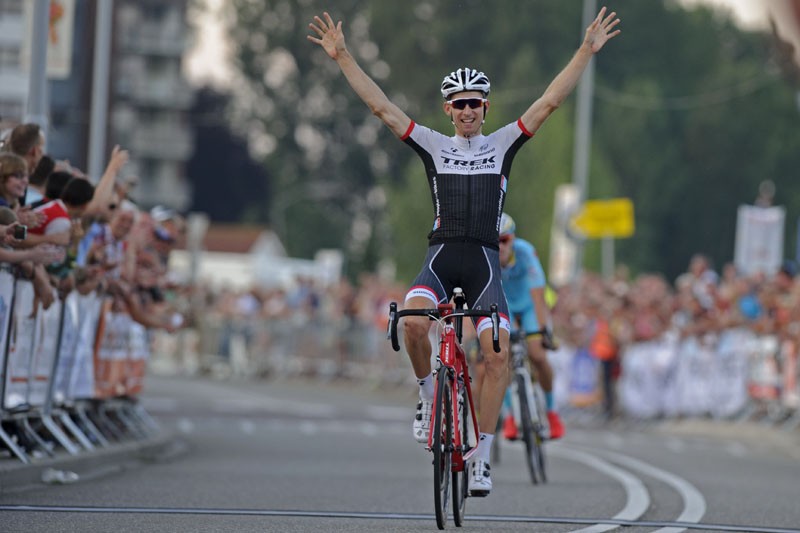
(331, 38)
(600, 30)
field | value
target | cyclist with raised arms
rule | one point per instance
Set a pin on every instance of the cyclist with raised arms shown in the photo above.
(524, 284)
(468, 176)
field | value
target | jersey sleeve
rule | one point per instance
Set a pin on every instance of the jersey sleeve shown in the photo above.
(534, 273)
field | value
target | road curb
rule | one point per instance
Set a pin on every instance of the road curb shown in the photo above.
(18, 477)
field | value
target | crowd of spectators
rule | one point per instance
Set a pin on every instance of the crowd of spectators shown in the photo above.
(66, 234)
(601, 316)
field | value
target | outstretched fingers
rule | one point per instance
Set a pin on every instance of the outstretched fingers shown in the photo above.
(610, 21)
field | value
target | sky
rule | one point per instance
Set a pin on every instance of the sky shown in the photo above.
(207, 60)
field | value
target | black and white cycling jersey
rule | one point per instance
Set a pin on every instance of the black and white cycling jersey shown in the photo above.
(468, 179)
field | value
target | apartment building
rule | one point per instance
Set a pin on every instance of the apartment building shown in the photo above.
(149, 100)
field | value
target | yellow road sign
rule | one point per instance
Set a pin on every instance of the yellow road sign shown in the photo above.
(605, 218)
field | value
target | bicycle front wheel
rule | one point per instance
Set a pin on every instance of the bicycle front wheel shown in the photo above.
(531, 437)
(442, 443)
(460, 480)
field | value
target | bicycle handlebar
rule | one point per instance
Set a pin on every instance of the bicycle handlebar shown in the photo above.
(435, 314)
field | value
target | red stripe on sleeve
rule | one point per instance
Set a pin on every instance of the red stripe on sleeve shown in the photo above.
(523, 128)
(408, 131)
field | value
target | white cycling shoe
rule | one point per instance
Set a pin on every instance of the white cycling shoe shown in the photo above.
(422, 421)
(480, 481)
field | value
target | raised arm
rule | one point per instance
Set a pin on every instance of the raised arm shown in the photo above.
(105, 187)
(331, 39)
(597, 34)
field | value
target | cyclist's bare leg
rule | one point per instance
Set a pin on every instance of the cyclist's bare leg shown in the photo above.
(415, 335)
(538, 357)
(477, 384)
(495, 380)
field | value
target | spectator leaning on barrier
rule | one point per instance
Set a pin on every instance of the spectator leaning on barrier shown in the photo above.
(54, 186)
(13, 182)
(27, 141)
(13, 179)
(38, 179)
(9, 254)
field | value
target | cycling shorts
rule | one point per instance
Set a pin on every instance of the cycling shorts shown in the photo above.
(527, 320)
(474, 268)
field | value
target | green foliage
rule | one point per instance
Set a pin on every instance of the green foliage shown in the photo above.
(690, 114)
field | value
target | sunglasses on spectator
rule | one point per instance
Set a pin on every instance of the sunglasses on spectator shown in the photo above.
(473, 103)
(505, 238)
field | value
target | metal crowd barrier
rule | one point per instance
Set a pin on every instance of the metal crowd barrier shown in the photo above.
(70, 374)
(733, 374)
(258, 347)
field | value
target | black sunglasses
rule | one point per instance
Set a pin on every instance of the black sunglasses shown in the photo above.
(473, 103)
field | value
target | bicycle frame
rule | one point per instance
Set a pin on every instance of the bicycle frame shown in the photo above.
(453, 362)
(452, 387)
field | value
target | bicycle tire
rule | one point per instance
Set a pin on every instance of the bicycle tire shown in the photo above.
(460, 479)
(442, 443)
(538, 429)
(530, 437)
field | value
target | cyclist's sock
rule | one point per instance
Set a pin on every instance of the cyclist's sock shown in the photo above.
(548, 400)
(484, 451)
(426, 387)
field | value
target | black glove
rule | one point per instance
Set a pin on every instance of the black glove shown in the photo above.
(548, 341)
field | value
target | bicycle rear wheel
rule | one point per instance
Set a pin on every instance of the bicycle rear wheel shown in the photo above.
(460, 480)
(531, 438)
(442, 443)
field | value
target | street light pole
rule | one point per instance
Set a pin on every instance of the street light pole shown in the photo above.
(37, 106)
(583, 129)
(100, 79)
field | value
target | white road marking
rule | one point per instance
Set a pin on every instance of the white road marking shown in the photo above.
(694, 504)
(637, 496)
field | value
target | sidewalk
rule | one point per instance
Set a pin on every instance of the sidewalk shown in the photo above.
(16, 476)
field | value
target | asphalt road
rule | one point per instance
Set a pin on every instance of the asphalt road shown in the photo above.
(270, 456)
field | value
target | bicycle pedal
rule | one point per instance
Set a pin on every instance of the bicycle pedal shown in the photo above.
(478, 493)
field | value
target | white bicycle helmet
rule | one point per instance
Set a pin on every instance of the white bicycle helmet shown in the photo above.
(465, 79)
(507, 226)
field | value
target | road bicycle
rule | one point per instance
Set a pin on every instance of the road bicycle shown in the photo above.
(528, 408)
(450, 438)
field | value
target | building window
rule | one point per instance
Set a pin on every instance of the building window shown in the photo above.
(10, 7)
(9, 57)
(10, 110)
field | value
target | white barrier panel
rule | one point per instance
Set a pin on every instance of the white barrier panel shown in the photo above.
(694, 375)
(82, 384)
(45, 347)
(139, 354)
(20, 346)
(791, 391)
(68, 349)
(729, 388)
(641, 386)
(561, 361)
(112, 354)
(6, 301)
(764, 378)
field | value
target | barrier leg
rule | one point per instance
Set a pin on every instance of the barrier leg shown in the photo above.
(75, 431)
(47, 447)
(130, 423)
(13, 447)
(105, 423)
(792, 423)
(89, 427)
(59, 435)
(142, 414)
